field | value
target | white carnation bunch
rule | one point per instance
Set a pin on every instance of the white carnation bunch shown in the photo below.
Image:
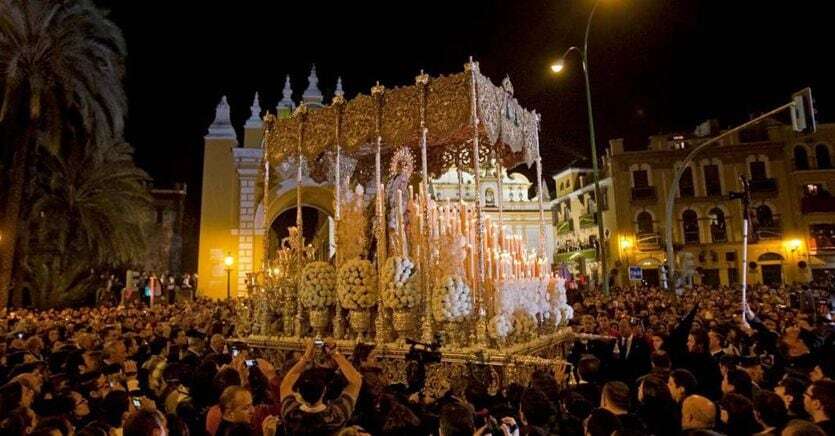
(400, 289)
(529, 295)
(318, 285)
(451, 299)
(499, 326)
(567, 313)
(357, 285)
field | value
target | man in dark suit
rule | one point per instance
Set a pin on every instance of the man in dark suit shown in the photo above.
(194, 353)
(630, 353)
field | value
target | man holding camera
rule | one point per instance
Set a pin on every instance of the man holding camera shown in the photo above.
(303, 389)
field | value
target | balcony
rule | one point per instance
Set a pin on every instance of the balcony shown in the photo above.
(817, 203)
(763, 186)
(648, 241)
(769, 231)
(565, 227)
(644, 194)
(588, 220)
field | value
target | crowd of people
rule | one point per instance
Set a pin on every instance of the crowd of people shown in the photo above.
(661, 364)
(146, 286)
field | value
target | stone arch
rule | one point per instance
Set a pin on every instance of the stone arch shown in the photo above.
(284, 199)
(770, 257)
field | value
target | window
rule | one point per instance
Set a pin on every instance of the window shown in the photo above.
(640, 178)
(823, 236)
(757, 168)
(691, 227)
(822, 155)
(801, 159)
(685, 184)
(718, 232)
(644, 222)
(764, 216)
(813, 189)
(733, 276)
(730, 256)
(713, 184)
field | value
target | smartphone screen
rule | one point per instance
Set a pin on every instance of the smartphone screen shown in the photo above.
(136, 402)
(250, 363)
(235, 352)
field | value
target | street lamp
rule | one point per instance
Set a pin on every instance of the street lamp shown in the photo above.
(228, 261)
(557, 67)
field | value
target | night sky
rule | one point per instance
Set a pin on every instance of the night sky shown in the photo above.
(655, 65)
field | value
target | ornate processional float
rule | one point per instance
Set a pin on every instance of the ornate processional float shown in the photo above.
(408, 266)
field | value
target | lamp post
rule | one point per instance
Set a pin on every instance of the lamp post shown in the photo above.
(556, 68)
(228, 261)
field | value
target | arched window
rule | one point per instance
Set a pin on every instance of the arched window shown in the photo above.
(801, 159)
(718, 232)
(822, 155)
(765, 218)
(644, 223)
(691, 227)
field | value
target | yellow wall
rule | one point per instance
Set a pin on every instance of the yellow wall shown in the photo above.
(218, 216)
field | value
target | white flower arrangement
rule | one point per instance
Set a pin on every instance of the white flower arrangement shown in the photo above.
(451, 299)
(567, 313)
(356, 285)
(318, 285)
(400, 289)
(500, 326)
(529, 295)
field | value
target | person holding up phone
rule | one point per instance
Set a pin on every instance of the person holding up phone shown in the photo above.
(303, 408)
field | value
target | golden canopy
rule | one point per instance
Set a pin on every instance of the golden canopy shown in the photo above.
(444, 105)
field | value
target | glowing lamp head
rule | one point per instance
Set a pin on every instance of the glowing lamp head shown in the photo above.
(557, 66)
(793, 244)
(228, 260)
(625, 243)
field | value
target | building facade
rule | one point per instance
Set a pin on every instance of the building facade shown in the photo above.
(574, 212)
(164, 230)
(520, 211)
(792, 213)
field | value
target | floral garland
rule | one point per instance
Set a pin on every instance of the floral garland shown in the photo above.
(451, 299)
(356, 286)
(317, 287)
(400, 291)
(499, 327)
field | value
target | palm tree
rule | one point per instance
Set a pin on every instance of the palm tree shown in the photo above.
(61, 66)
(91, 206)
